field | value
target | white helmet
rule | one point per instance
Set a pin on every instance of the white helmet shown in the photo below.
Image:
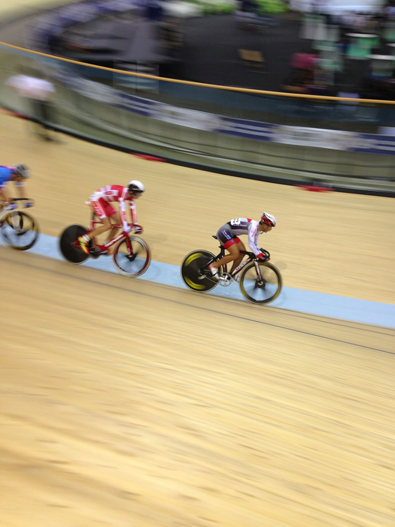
(268, 219)
(136, 186)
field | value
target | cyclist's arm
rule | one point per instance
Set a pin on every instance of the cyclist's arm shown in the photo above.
(133, 213)
(253, 237)
(122, 208)
(20, 188)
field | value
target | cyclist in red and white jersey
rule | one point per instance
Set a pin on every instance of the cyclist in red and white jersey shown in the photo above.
(228, 235)
(101, 201)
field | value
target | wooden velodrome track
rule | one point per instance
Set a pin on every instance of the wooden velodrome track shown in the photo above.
(128, 403)
(131, 403)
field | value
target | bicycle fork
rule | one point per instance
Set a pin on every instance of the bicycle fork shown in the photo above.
(15, 221)
(131, 254)
(260, 280)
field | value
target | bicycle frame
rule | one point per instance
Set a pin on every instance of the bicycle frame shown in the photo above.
(104, 246)
(113, 241)
(250, 258)
(259, 281)
(241, 265)
(4, 213)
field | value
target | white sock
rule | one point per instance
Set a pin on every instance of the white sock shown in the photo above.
(213, 270)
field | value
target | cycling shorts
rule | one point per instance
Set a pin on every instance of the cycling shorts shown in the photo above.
(226, 236)
(102, 208)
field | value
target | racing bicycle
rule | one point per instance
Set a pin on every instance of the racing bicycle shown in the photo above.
(19, 230)
(131, 256)
(260, 281)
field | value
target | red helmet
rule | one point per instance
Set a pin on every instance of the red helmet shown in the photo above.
(268, 219)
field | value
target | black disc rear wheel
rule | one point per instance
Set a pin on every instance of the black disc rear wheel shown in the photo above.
(67, 245)
(192, 271)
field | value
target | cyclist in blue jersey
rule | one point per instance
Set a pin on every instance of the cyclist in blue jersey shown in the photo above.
(17, 174)
(228, 237)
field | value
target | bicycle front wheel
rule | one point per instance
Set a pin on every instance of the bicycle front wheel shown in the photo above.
(20, 230)
(133, 262)
(264, 288)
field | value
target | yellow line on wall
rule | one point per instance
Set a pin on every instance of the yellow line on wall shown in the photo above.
(203, 85)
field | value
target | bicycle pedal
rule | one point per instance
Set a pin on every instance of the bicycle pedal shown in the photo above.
(94, 252)
(225, 279)
(204, 274)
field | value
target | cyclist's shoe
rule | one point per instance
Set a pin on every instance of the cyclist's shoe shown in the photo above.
(94, 252)
(84, 243)
(214, 270)
(212, 277)
(210, 273)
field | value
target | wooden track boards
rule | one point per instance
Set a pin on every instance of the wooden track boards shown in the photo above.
(130, 403)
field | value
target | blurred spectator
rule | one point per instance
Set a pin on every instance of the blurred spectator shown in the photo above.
(298, 81)
(171, 36)
(389, 10)
(320, 84)
(247, 15)
(39, 92)
(303, 61)
(154, 10)
(311, 81)
(249, 6)
(302, 73)
(379, 86)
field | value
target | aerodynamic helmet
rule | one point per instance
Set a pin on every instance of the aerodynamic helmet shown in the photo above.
(136, 186)
(268, 219)
(22, 171)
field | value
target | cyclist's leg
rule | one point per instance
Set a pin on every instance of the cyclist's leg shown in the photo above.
(241, 247)
(116, 219)
(231, 243)
(234, 254)
(103, 211)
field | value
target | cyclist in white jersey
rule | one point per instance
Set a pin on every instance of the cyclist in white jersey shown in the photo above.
(228, 237)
